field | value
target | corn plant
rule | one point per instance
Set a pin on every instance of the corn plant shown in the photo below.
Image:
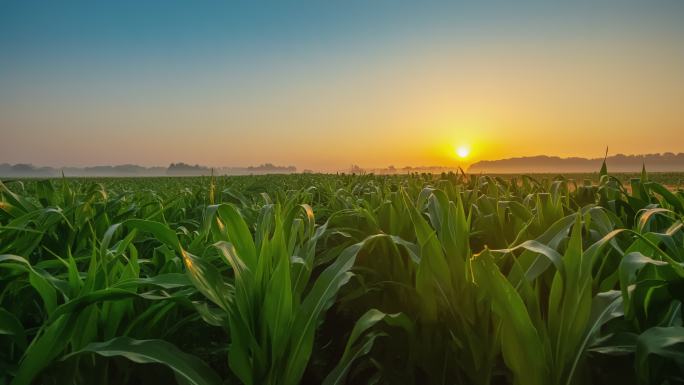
(316, 278)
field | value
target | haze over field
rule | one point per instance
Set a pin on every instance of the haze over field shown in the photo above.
(620, 163)
(323, 85)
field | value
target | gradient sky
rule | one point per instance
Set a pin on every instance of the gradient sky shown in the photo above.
(324, 84)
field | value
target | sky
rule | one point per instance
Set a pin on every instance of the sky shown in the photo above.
(325, 84)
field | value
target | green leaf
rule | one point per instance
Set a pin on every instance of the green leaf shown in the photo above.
(354, 350)
(314, 305)
(37, 279)
(232, 223)
(433, 280)
(521, 344)
(44, 348)
(604, 168)
(10, 325)
(658, 348)
(164, 281)
(605, 307)
(191, 368)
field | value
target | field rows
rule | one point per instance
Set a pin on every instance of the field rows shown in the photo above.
(342, 279)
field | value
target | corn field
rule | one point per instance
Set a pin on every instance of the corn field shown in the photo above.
(341, 279)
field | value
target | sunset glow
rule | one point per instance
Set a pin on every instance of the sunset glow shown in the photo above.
(326, 86)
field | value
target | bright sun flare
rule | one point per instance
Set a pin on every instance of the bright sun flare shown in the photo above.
(462, 151)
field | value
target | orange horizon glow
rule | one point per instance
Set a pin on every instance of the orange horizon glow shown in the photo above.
(329, 90)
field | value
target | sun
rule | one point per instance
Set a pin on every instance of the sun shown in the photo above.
(462, 151)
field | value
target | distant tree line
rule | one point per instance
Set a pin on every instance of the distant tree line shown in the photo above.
(667, 162)
(174, 169)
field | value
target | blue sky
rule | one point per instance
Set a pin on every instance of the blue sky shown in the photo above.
(325, 84)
